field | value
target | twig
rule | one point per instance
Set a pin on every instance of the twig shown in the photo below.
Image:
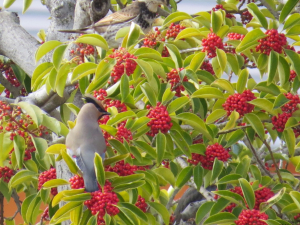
(190, 50)
(16, 198)
(273, 159)
(178, 1)
(170, 202)
(1, 209)
(273, 11)
(258, 161)
(121, 5)
(14, 90)
(61, 140)
(162, 12)
(242, 3)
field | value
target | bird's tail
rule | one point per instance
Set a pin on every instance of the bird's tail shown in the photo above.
(80, 31)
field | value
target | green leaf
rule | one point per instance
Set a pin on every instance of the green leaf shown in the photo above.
(294, 58)
(40, 145)
(124, 187)
(149, 93)
(248, 193)
(99, 170)
(161, 210)
(264, 104)
(139, 123)
(6, 145)
(224, 84)
(124, 87)
(180, 143)
(230, 178)
(184, 176)
(69, 161)
(120, 117)
(161, 144)
(242, 81)
(194, 121)
(146, 68)
(215, 115)
(257, 14)
(19, 146)
(58, 55)
(166, 174)
(272, 66)
(8, 3)
(26, 4)
(146, 148)
(256, 124)
(175, 17)
(198, 176)
(216, 20)
(283, 71)
(148, 53)
(64, 210)
(56, 148)
(220, 218)
(177, 104)
(21, 177)
(38, 74)
(256, 173)
(208, 92)
(126, 219)
(115, 159)
(235, 137)
(93, 39)
(290, 141)
(231, 196)
(127, 179)
(175, 55)
(203, 211)
(287, 8)
(25, 205)
(190, 33)
(45, 48)
(55, 183)
(133, 35)
(250, 40)
(83, 70)
(139, 213)
(222, 59)
(104, 67)
(291, 21)
(280, 101)
(217, 169)
(167, 96)
(243, 167)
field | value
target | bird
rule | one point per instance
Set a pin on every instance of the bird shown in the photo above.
(140, 12)
(86, 139)
(189, 203)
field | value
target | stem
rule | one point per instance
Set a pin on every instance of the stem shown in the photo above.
(1, 209)
(273, 159)
(260, 164)
(170, 202)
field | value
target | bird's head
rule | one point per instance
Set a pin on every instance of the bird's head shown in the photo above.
(97, 104)
(153, 4)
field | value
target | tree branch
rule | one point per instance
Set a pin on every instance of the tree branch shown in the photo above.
(273, 11)
(14, 90)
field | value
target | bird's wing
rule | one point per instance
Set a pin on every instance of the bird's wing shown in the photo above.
(124, 15)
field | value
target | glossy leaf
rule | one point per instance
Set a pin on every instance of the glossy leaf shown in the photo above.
(184, 176)
(45, 48)
(99, 169)
(248, 193)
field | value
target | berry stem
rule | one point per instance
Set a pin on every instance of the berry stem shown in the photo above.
(24, 128)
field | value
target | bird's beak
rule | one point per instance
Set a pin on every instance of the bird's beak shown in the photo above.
(106, 113)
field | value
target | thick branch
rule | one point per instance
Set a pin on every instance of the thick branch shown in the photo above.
(14, 90)
(16, 43)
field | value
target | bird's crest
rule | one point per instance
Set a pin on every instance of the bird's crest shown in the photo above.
(91, 99)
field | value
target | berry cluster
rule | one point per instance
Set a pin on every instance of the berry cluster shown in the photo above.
(206, 65)
(76, 182)
(174, 30)
(228, 15)
(160, 119)
(239, 103)
(174, 79)
(141, 204)
(124, 64)
(80, 51)
(46, 176)
(124, 169)
(152, 38)
(123, 133)
(212, 151)
(292, 75)
(166, 163)
(235, 36)
(249, 217)
(274, 41)
(7, 71)
(45, 215)
(103, 201)
(246, 17)
(297, 216)
(280, 121)
(261, 195)
(291, 106)
(211, 43)
(6, 173)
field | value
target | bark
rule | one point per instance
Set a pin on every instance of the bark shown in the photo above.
(16, 43)
(1, 209)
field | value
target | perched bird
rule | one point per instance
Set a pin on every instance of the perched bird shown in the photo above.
(86, 139)
(140, 12)
(189, 203)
